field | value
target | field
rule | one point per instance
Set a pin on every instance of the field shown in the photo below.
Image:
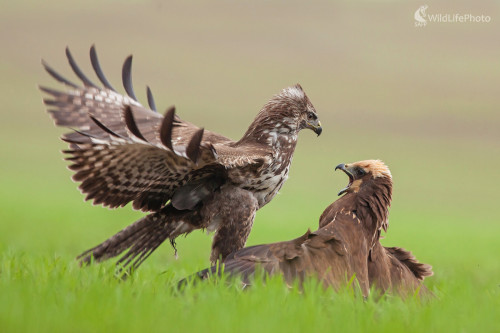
(424, 100)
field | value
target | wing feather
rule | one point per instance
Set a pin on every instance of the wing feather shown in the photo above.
(122, 172)
(151, 100)
(131, 124)
(406, 258)
(78, 71)
(105, 129)
(193, 148)
(127, 78)
(333, 253)
(97, 68)
(166, 128)
(123, 152)
(57, 76)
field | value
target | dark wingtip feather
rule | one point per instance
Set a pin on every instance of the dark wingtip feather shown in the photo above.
(78, 71)
(97, 68)
(166, 128)
(151, 100)
(131, 124)
(51, 102)
(72, 141)
(104, 128)
(127, 77)
(89, 135)
(193, 148)
(57, 76)
(49, 91)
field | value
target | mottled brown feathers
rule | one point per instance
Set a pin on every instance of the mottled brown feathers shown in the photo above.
(189, 177)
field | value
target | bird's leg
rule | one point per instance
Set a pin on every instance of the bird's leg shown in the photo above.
(233, 232)
(174, 246)
(231, 237)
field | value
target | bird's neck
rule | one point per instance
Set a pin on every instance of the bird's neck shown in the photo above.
(371, 206)
(270, 130)
(373, 203)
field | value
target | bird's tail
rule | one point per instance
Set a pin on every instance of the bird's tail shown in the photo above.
(420, 270)
(140, 239)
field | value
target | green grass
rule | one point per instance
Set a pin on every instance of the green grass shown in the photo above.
(51, 293)
(425, 101)
(42, 288)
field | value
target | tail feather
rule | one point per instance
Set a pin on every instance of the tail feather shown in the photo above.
(146, 252)
(143, 248)
(116, 244)
(420, 270)
(141, 239)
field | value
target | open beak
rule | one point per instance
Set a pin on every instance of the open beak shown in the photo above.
(349, 174)
(316, 127)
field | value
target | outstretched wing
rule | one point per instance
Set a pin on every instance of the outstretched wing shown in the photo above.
(275, 258)
(123, 152)
(333, 254)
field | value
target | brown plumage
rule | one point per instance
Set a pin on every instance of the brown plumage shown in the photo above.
(346, 244)
(396, 270)
(190, 178)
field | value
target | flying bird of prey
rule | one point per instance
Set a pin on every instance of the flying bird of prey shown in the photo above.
(343, 246)
(187, 177)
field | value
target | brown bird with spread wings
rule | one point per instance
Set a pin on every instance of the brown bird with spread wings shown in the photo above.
(346, 244)
(389, 268)
(189, 178)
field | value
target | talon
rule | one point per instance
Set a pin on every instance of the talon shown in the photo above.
(174, 245)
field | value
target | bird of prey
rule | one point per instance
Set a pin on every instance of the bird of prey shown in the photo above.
(345, 245)
(389, 268)
(187, 177)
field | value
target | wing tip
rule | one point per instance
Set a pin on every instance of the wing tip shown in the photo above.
(193, 148)
(166, 128)
(127, 77)
(78, 71)
(58, 77)
(131, 123)
(151, 100)
(98, 70)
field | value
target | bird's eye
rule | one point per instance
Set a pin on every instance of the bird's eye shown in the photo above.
(360, 172)
(310, 116)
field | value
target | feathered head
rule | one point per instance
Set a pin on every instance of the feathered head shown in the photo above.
(286, 113)
(370, 186)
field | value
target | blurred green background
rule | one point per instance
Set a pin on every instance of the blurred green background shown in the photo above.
(424, 100)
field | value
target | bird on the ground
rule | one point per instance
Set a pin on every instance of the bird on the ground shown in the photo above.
(346, 244)
(389, 268)
(187, 177)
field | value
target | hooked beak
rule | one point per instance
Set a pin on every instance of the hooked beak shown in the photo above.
(316, 128)
(348, 173)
